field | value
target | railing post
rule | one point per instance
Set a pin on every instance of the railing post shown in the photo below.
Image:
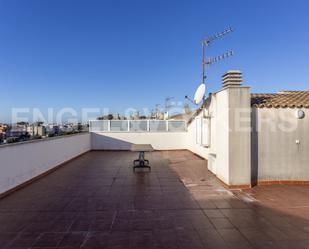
(148, 125)
(166, 125)
(128, 125)
(109, 125)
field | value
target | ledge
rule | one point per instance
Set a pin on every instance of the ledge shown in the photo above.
(281, 182)
(42, 140)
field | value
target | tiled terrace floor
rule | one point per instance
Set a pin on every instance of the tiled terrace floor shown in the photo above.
(96, 201)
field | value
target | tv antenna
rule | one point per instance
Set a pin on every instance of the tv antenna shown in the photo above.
(199, 95)
(205, 43)
(167, 103)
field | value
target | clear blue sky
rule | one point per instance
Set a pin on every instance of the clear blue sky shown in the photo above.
(120, 53)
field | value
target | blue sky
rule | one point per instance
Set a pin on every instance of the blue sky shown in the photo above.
(119, 53)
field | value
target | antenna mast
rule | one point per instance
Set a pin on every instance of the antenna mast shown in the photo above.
(205, 43)
(167, 103)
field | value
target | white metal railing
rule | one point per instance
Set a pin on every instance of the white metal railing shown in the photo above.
(137, 125)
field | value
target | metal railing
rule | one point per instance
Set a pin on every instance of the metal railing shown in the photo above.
(137, 125)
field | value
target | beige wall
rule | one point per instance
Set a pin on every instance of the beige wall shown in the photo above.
(239, 136)
(275, 153)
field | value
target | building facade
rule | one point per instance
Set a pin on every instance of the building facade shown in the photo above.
(251, 139)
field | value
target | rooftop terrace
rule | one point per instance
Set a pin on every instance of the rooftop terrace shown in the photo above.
(97, 201)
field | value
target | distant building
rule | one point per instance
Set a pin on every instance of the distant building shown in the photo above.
(116, 116)
(135, 115)
(56, 129)
(36, 130)
(3, 128)
(66, 128)
(182, 116)
(52, 129)
(16, 131)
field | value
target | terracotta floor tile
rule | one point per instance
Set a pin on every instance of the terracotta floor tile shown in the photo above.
(6, 238)
(97, 201)
(231, 235)
(24, 240)
(220, 223)
(49, 240)
(213, 213)
(96, 241)
(72, 240)
(254, 234)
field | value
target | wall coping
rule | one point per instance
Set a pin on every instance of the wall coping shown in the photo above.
(42, 140)
(231, 87)
(139, 132)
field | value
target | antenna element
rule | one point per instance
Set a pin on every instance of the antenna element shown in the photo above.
(205, 43)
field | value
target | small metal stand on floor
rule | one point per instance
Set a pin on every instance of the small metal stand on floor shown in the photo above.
(141, 162)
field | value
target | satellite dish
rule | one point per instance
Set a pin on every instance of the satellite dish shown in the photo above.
(199, 93)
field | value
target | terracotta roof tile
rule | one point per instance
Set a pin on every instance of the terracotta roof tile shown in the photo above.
(283, 99)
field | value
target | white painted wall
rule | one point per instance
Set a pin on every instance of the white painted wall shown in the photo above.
(229, 152)
(192, 144)
(275, 154)
(220, 114)
(217, 153)
(123, 140)
(23, 161)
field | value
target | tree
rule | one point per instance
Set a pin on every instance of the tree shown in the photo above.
(39, 123)
(25, 136)
(36, 137)
(110, 116)
(22, 123)
(10, 140)
(79, 127)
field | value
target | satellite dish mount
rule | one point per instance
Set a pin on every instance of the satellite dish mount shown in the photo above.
(199, 95)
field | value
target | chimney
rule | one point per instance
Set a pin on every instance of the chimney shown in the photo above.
(232, 78)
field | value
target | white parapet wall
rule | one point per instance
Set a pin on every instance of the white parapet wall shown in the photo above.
(22, 162)
(124, 140)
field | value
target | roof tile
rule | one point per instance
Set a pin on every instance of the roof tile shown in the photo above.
(281, 99)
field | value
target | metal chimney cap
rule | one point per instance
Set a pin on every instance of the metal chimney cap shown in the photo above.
(231, 72)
